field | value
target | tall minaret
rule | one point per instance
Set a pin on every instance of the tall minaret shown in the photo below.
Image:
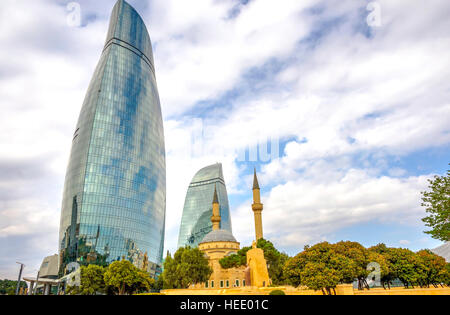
(215, 219)
(257, 208)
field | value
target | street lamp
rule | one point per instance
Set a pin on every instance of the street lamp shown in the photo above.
(20, 277)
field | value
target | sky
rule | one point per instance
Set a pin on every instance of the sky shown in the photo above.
(346, 101)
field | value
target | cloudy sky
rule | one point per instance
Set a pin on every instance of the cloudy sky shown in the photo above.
(351, 97)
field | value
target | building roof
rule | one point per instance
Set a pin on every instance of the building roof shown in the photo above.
(49, 267)
(443, 251)
(219, 236)
(128, 27)
(197, 211)
(42, 280)
(209, 173)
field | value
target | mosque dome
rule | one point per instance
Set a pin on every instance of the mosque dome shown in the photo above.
(219, 236)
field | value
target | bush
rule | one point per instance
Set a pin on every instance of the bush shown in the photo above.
(11, 291)
(277, 292)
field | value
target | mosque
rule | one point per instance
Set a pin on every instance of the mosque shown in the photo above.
(220, 243)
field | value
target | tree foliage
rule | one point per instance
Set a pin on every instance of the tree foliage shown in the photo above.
(320, 267)
(445, 275)
(319, 276)
(277, 292)
(324, 266)
(188, 266)
(120, 277)
(437, 203)
(159, 284)
(9, 286)
(404, 265)
(235, 260)
(359, 255)
(123, 277)
(431, 268)
(92, 281)
(423, 268)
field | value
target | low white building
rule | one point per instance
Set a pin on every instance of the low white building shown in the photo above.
(47, 277)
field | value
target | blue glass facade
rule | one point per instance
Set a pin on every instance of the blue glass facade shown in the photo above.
(197, 212)
(115, 188)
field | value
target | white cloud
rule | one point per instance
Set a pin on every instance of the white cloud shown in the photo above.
(311, 207)
(200, 53)
(404, 242)
(27, 218)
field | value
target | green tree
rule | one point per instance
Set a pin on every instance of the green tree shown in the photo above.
(188, 266)
(143, 282)
(92, 281)
(346, 267)
(320, 267)
(11, 291)
(293, 268)
(277, 292)
(445, 275)
(380, 249)
(437, 203)
(159, 284)
(9, 286)
(380, 255)
(124, 278)
(431, 268)
(169, 275)
(235, 260)
(324, 265)
(360, 255)
(317, 276)
(404, 265)
(386, 275)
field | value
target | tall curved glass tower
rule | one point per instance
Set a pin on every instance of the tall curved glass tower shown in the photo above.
(114, 200)
(197, 212)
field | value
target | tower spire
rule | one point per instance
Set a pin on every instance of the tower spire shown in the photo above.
(215, 219)
(215, 199)
(257, 208)
(255, 181)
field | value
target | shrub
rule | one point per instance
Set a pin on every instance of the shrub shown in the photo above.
(277, 292)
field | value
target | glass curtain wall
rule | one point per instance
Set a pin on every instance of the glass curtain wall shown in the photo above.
(197, 212)
(114, 200)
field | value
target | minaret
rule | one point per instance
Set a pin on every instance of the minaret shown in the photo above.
(215, 219)
(257, 208)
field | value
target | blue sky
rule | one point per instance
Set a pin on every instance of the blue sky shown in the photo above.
(360, 113)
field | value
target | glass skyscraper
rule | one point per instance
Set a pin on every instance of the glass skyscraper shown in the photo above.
(114, 200)
(197, 212)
